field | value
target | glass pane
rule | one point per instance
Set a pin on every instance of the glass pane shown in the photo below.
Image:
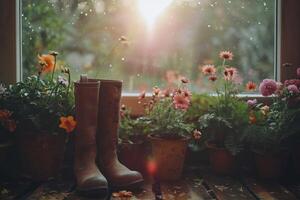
(146, 43)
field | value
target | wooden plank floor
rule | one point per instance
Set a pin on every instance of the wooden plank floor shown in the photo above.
(194, 185)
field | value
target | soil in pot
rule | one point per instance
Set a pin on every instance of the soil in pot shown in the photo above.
(41, 155)
(269, 166)
(168, 157)
(221, 160)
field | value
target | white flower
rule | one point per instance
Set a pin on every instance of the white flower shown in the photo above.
(2, 89)
(62, 80)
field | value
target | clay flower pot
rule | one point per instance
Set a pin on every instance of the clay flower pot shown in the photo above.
(41, 155)
(5, 148)
(221, 160)
(133, 155)
(269, 166)
(168, 157)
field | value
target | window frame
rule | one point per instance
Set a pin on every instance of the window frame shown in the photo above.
(286, 44)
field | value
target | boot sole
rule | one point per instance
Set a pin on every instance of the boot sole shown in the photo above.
(131, 186)
(92, 193)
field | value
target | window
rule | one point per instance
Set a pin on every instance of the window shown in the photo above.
(146, 43)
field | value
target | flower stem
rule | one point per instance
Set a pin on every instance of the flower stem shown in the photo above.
(52, 76)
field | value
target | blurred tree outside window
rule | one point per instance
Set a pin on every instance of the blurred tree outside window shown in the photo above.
(147, 43)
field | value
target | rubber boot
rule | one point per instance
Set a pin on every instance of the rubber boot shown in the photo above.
(90, 181)
(118, 176)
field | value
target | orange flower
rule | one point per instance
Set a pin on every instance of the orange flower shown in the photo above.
(208, 69)
(4, 115)
(68, 123)
(226, 55)
(47, 62)
(252, 118)
(250, 86)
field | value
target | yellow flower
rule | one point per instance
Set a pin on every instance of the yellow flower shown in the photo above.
(265, 110)
(68, 123)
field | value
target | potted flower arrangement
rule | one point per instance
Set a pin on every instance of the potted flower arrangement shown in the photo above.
(273, 126)
(168, 131)
(222, 124)
(41, 113)
(132, 140)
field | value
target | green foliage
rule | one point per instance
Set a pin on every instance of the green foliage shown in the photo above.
(200, 104)
(131, 129)
(37, 104)
(168, 122)
(274, 130)
(224, 124)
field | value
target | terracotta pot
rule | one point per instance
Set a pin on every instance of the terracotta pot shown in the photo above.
(41, 155)
(168, 157)
(5, 148)
(221, 160)
(269, 166)
(133, 155)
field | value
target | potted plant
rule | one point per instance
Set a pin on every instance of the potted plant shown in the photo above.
(273, 126)
(222, 124)
(168, 131)
(42, 109)
(132, 146)
(7, 125)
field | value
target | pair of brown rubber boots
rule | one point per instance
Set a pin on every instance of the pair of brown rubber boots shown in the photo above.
(96, 163)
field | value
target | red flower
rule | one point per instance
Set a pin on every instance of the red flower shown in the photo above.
(250, 86)
(292, 82)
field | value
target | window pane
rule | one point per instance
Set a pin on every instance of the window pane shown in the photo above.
(146, 43)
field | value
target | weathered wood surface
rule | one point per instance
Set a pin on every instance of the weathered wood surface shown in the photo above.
(186, 189)
(269, 190)
(195, 185)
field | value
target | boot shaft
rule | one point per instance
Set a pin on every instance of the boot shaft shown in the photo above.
(86, 107)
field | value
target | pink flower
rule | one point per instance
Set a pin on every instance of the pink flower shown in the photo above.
(142, 95)
(293, 89)
(292, 82)
(181, 102)
(208, 69)
(267, 87)
(227, 55)
(252, 103)
(197, 134)
(298, 72)
(230, 73)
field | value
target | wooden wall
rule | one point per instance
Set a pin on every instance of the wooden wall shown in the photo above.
(8, 61)
(290, 38)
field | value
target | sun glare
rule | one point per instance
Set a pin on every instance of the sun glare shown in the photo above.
(151, 9)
